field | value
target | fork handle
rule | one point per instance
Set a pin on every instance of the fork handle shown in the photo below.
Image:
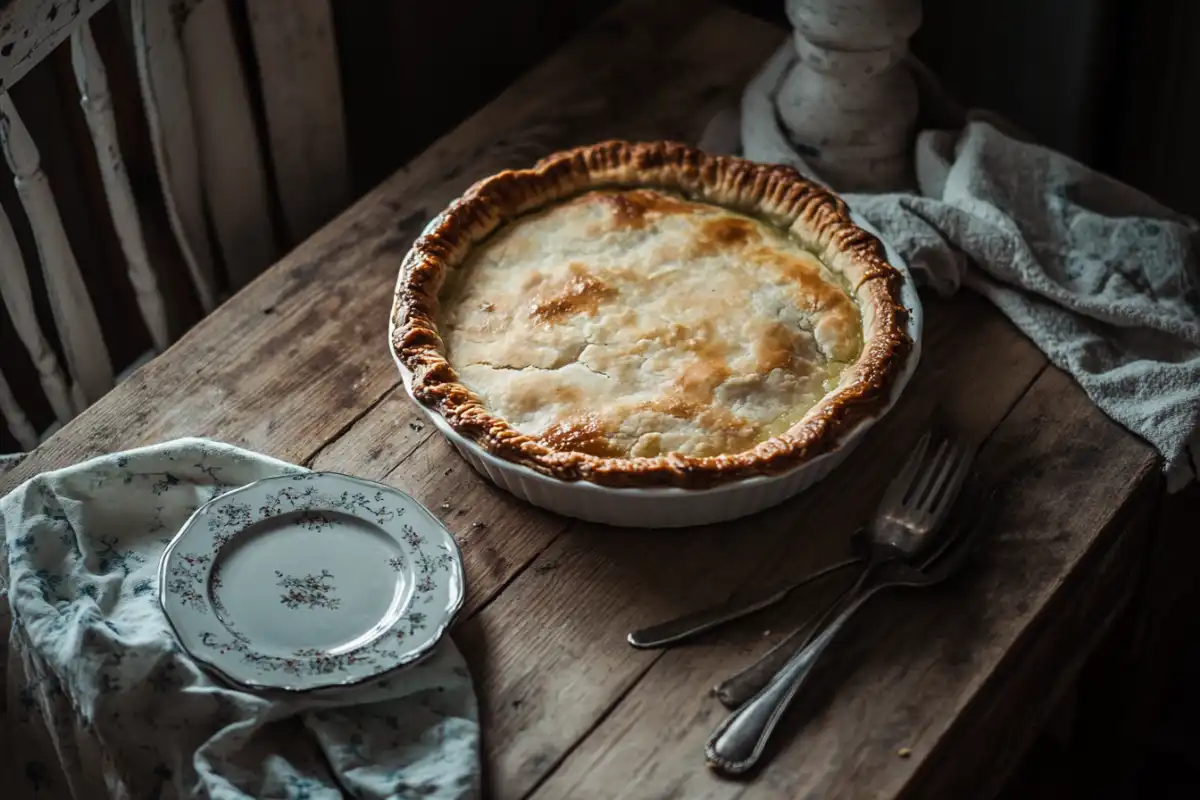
(737, 744)
(737, 689)
(685, 627)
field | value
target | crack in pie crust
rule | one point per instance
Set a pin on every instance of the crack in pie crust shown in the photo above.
(644, 314)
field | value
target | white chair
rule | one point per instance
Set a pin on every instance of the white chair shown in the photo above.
(208, 150)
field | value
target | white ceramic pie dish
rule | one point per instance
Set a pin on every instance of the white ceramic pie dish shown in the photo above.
(671, 507)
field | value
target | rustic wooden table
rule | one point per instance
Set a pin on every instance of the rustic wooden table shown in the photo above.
(297, 366)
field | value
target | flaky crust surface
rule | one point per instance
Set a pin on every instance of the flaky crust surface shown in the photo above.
(774, 194)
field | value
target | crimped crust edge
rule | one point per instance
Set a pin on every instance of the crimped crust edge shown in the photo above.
(776, 194)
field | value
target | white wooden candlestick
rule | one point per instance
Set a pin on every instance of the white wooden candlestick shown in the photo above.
(848, 103)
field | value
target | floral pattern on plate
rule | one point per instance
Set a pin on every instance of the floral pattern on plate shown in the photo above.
(310, 580)
(311, 591)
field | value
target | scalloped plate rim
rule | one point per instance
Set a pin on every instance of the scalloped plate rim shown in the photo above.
(408, 659)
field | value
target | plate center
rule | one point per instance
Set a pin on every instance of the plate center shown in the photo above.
(310, 581)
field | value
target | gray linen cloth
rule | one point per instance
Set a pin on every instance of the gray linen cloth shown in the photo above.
(1098, 275)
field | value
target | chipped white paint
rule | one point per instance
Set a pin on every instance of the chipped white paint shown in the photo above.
(162, 73)
(301, 86)
(31, 29)
(74, 316)
(14, 417)
(763, 138)
(18, 299)
(235, 181)
(848, 102)
(97, 105)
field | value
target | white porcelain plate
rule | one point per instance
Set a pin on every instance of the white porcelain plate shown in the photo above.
(311, 580)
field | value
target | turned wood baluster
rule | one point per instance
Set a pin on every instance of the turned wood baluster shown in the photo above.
(18, 423)
(848, 102)
(96, 100)
(18, 299)
(74, 315)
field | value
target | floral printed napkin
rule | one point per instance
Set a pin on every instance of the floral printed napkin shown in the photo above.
(101, 701)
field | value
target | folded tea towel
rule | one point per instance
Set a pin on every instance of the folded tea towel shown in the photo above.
(1101, 277)
(102, 702)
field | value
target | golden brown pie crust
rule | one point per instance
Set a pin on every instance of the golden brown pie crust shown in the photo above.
(774, 194)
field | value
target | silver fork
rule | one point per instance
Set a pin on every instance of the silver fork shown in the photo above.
(739, 688)
(690, 625)
(912, 511)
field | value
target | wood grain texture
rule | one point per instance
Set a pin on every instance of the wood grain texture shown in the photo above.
(498, 534)
(962, 675)
(310, 356)
(569, 709)
(655, 735)
(30, 29)
(386, 434)
(1010, 638)
(1133, 683)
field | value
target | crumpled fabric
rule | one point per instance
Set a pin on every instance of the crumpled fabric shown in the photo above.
(1102, 278)
(101, 701)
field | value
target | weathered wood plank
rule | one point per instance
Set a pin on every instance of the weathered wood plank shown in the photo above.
(499, 535)
(287, 364)
(514, 532)
(373, 445)
(30, 29)
(231, 164)
(296, 366)
(163, 76)
(960, 675)
(297, 61)
(1129, 687)
(553, 642)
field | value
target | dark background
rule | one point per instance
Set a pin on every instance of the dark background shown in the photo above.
(1110, 82)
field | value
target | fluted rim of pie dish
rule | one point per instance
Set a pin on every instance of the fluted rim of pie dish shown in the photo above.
(777, 195)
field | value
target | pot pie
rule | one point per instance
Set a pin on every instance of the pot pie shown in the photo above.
(645, 314)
